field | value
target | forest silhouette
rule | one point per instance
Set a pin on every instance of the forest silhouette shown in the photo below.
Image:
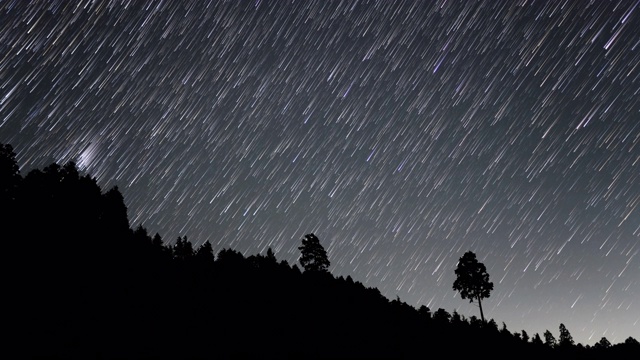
(85, 284)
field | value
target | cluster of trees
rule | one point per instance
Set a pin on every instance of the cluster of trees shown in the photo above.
(85, 284)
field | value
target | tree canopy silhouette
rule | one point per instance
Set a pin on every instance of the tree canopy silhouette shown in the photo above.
(549, 339)
(472, 280)
(565, 337)
(87, 285)
(9, 173)
(314, 257)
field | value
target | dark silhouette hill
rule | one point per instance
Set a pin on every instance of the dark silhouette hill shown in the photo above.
(83, 284)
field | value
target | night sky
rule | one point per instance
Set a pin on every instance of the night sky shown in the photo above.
(401, 133)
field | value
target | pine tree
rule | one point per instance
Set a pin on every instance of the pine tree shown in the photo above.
(472, 280)
(314, 257)
(549, 339)
(565, 337)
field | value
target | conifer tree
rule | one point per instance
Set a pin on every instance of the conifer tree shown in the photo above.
(472, 280)
(313, 255)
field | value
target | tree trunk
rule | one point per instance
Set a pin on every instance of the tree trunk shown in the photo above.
(481, 313)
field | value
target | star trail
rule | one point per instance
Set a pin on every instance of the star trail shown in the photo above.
(401, 133)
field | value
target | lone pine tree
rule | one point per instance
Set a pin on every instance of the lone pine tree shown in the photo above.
(472, 280)
(313, 255)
